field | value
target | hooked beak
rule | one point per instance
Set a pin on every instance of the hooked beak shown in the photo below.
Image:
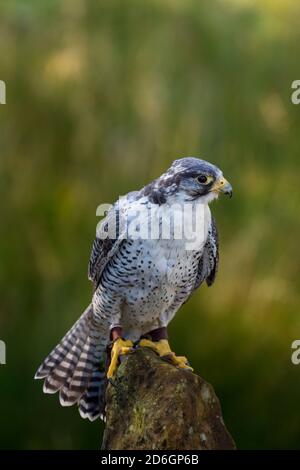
(222, 186)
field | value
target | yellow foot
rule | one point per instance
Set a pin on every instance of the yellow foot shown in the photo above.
(162, 348)
(119, 348)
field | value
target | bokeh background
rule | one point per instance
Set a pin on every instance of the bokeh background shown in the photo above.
(101, 97)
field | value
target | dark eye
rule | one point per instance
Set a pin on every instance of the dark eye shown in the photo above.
(202, 179)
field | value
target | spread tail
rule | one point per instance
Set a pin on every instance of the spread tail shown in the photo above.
(76, 367)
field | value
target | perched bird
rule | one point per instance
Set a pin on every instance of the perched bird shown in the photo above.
(140, 280)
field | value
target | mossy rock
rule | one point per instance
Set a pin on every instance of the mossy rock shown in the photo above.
(151, 404)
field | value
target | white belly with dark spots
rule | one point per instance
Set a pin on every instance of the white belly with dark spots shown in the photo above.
(157, 282)
(149, 279)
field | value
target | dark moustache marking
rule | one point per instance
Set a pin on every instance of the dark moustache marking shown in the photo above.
(166, 185)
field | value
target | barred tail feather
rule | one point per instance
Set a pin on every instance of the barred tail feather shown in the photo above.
(92, 402)
(76, 369)
(62, 349)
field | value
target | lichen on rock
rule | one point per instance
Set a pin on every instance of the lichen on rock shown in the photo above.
(153, 405)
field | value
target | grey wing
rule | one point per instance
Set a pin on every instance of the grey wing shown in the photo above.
(208, 263)
(105, 245)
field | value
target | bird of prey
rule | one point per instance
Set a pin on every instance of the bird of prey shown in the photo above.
(139, 283)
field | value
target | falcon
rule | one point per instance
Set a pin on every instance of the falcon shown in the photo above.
(139, 282)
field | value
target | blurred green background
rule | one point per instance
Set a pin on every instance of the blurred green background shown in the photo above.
(101, 97)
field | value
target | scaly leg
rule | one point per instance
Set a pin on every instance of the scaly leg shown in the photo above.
(162, 348)
(120, 347)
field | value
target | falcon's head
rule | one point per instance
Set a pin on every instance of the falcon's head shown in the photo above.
(189, 179)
